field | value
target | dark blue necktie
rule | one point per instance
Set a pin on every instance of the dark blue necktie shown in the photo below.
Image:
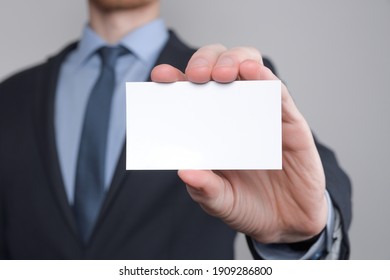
(89, 184)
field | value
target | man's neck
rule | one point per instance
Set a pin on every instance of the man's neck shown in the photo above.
(113, 25)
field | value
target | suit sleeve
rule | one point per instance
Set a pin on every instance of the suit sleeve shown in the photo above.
(340, 191)
(2, 223)
(3, 254)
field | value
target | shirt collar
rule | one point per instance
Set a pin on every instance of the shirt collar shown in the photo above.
(144, 42)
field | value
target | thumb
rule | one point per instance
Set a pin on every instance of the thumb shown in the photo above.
(210, 190)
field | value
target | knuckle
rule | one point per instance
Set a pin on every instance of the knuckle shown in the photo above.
(245, 53)
(212, 49)
(215, 47)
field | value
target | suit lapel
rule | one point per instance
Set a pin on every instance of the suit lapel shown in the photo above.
(119, 176)
(44, 123)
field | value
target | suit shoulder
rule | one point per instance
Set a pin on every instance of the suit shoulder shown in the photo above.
(178, 44)
(17, 97)
(175, 52)
(31, 77)
(22, 81)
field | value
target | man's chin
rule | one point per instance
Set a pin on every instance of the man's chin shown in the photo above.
(111, 5)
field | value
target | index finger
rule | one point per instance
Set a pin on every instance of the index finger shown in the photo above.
(202, 62)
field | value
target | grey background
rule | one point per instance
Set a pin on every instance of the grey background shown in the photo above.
(334, 56)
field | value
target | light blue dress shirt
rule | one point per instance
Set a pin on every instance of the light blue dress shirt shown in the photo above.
(79, 73)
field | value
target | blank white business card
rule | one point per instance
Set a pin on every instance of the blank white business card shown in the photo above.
(214, 126)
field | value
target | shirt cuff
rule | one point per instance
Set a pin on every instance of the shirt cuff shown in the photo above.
(284, 251)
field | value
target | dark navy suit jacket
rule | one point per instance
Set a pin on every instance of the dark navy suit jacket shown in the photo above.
(146, 214)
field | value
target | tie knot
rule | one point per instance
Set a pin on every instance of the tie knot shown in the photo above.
(109, 55)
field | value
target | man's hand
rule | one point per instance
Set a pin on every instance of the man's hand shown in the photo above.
(287, 205)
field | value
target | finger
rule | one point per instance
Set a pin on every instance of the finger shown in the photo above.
(253, 70)
(209, 190)
(165, 73)
(227, 67)
(201, 64)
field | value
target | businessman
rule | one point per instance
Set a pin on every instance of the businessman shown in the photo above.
(64, 190)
